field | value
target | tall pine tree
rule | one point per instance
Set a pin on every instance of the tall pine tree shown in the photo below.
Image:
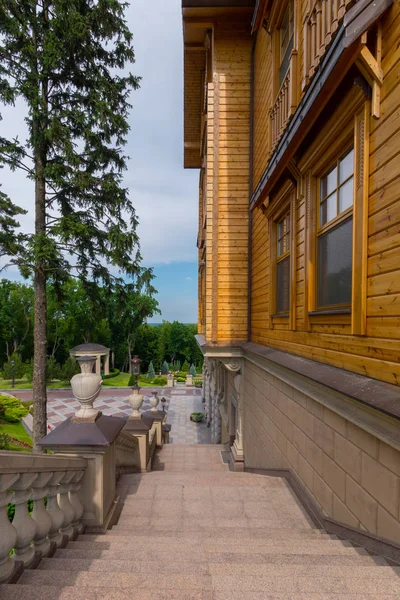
(67, 61)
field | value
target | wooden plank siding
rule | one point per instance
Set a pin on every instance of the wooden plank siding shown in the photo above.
(232, 72)
(377, 353)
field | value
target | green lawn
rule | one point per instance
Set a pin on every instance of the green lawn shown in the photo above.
(24, 384)
(15, 430)
(122, 380)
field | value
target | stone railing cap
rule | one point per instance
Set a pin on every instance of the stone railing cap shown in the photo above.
(24, 462)
(101, 432)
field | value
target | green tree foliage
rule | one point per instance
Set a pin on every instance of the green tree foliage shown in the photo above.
(65, 61)
(19, 367)
(16, 318)
(151, 372)
(192, 370)
(185, 367)
(69, 369)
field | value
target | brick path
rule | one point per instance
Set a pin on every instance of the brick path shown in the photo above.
(181, 402)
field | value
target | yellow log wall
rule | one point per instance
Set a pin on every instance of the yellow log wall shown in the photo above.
(376, 354)
(229, 186)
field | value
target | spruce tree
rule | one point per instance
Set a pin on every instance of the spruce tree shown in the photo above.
(151, 372)
(66, 60)
(165, 368)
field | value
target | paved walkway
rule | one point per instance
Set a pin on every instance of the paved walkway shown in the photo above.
(181, 402)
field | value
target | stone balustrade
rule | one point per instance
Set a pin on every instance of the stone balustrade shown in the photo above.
(25, 477)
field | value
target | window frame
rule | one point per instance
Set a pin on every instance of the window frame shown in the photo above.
(283, 204)
(350, 124)
(334, 223)
(284, 256)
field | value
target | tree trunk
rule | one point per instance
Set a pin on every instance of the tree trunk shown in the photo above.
(39, 125)
(40, 313)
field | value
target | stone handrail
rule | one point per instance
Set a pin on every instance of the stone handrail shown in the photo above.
(25, 477)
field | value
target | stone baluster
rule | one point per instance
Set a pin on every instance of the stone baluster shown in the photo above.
(56, 514)
(23, 522)
(39, 513)
(65, 505)
(74, 488)
(8, 535)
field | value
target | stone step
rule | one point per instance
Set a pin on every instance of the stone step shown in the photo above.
(175, 563)
(148, 566)
(382, 580)
(48, 592)
(135, 545)
(239, 533)
(31, 592)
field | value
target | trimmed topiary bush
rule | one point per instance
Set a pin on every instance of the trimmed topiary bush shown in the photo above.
(160, 381)
(114, 373)
(12, 409)
(185, 367)
(197, 417)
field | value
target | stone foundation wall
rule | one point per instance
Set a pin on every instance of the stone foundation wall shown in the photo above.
(352, 475)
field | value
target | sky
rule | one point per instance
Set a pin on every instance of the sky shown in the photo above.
(164, 194)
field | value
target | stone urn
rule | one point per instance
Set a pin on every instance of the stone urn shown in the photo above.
(154, 401)
(136, 401)
(86, 386)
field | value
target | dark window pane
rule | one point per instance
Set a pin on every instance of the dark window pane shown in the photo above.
(283, 285)
(335, 265)
(285, 63)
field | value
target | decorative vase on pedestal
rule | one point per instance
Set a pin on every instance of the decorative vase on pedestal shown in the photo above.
(154, 400)
(136, 401)
(86, 386)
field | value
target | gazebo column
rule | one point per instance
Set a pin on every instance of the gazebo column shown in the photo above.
(107, 364)
(98, 365)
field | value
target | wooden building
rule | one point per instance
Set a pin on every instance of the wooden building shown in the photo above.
(292, 116)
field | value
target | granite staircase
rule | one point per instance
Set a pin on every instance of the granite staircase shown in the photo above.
(193, 530)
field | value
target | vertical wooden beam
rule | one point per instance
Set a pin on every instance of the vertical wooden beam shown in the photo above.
(360, 221)
(214, 297)
(293, 258)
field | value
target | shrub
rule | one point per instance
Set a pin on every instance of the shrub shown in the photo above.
(132, 380)
(151, 372)
(180, 379)
(5, 441)
(199, 368)
(185, 367)
(160, 381)
(197, 417)
(19, 367)
(12, 409)
(69, 369)
(114, 373)
(164, 368)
